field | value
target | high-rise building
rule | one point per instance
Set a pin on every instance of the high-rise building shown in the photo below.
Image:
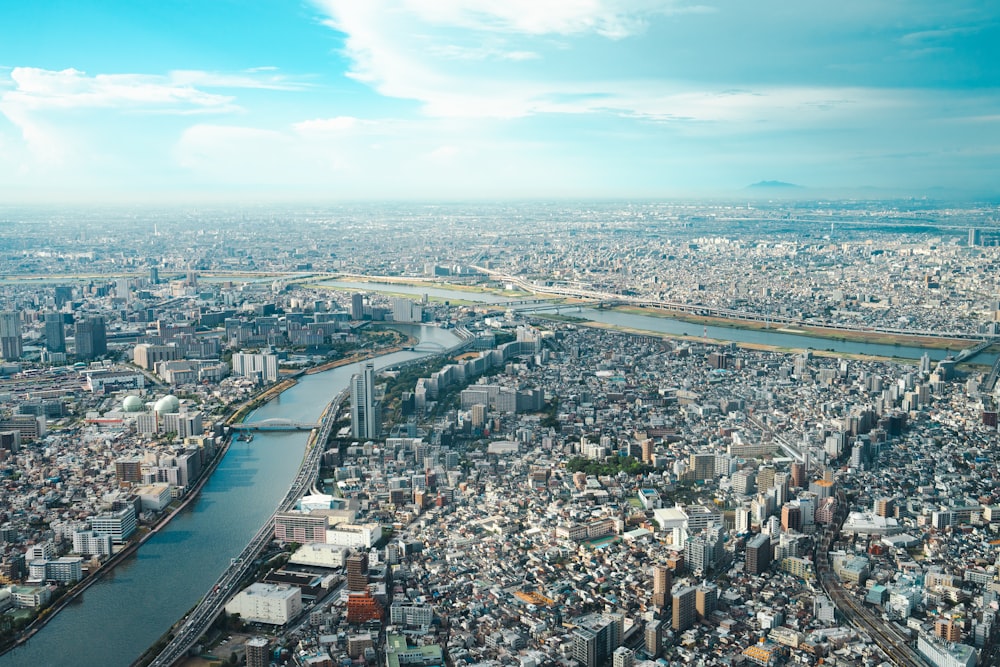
(260, 367)
(706, 597)
(55, 332)
(357, 306)
(257, 647)
(91, 337)
(364, 418)
(791, 518)
(662, 583)
(594, 640)
(758, 554)
(654, 638)
(799, 475)
(357, 571)
(684, 608)
(11, 346)
(154, 276)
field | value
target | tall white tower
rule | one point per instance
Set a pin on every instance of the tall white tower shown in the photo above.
(364, 423)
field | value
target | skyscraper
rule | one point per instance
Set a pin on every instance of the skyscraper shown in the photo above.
(91, 337)
(10, 335)
(662, 582)
(364, 422)
(55, 332)
(595, 639)
(357, 306)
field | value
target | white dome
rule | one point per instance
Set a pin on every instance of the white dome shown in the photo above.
(167, 404)
(132, 404)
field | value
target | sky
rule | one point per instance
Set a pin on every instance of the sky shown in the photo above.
(351, 100)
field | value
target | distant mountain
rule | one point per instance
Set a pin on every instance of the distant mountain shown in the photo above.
(773, 184)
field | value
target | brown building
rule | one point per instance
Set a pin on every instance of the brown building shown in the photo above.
(663, 580)
(357, 572)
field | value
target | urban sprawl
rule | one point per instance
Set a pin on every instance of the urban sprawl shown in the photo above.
(547, 491)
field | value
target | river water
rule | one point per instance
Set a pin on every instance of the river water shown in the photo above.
(124, 613)
(674, 327)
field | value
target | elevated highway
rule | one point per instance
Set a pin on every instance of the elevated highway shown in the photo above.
(199, 620)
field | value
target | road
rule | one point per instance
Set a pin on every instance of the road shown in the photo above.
(199, 620)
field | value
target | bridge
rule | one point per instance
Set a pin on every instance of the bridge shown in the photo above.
(991, 379)
(970, 352)
(186, 634)
(275, 424)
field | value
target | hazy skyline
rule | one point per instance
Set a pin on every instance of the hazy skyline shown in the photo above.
(460, 99)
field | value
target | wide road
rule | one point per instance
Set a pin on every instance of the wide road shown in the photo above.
(199, 620)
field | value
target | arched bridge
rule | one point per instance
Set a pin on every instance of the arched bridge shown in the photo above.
(276, 424)
(428, 346)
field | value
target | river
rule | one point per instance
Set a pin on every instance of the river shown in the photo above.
(121, 615)
(674, 327)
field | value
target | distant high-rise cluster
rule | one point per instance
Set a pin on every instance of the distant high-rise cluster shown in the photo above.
(91, 337)
(11, 346)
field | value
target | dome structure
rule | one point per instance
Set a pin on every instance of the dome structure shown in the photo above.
(167, 404)
(132, 404)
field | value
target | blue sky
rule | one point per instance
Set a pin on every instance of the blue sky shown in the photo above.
(470, 99)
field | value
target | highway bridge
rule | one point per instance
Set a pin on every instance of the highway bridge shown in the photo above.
(199, 620)
(275, 424)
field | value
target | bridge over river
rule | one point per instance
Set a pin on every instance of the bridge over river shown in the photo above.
(275, 424)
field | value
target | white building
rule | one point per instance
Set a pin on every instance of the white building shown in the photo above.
(119, 525)
(154, 497)
(354, 535)
(941, 654)
(320, 555)
(90, 543)
(262, 368)
(274, 604)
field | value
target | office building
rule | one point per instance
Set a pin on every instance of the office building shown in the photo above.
(357, 306)
(684, 612)
(119, 525)
(758, 554)
(55, 332)
(91, 337)
(364, 411)
(594, 640)
(11, 346)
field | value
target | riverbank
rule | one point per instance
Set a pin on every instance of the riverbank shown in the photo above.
(714, 341)
(934, 342)
(46, 615)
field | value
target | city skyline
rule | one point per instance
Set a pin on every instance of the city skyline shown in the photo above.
(330, 100)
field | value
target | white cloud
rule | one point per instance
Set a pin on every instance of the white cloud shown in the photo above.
(37, 88)
(482, 59)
